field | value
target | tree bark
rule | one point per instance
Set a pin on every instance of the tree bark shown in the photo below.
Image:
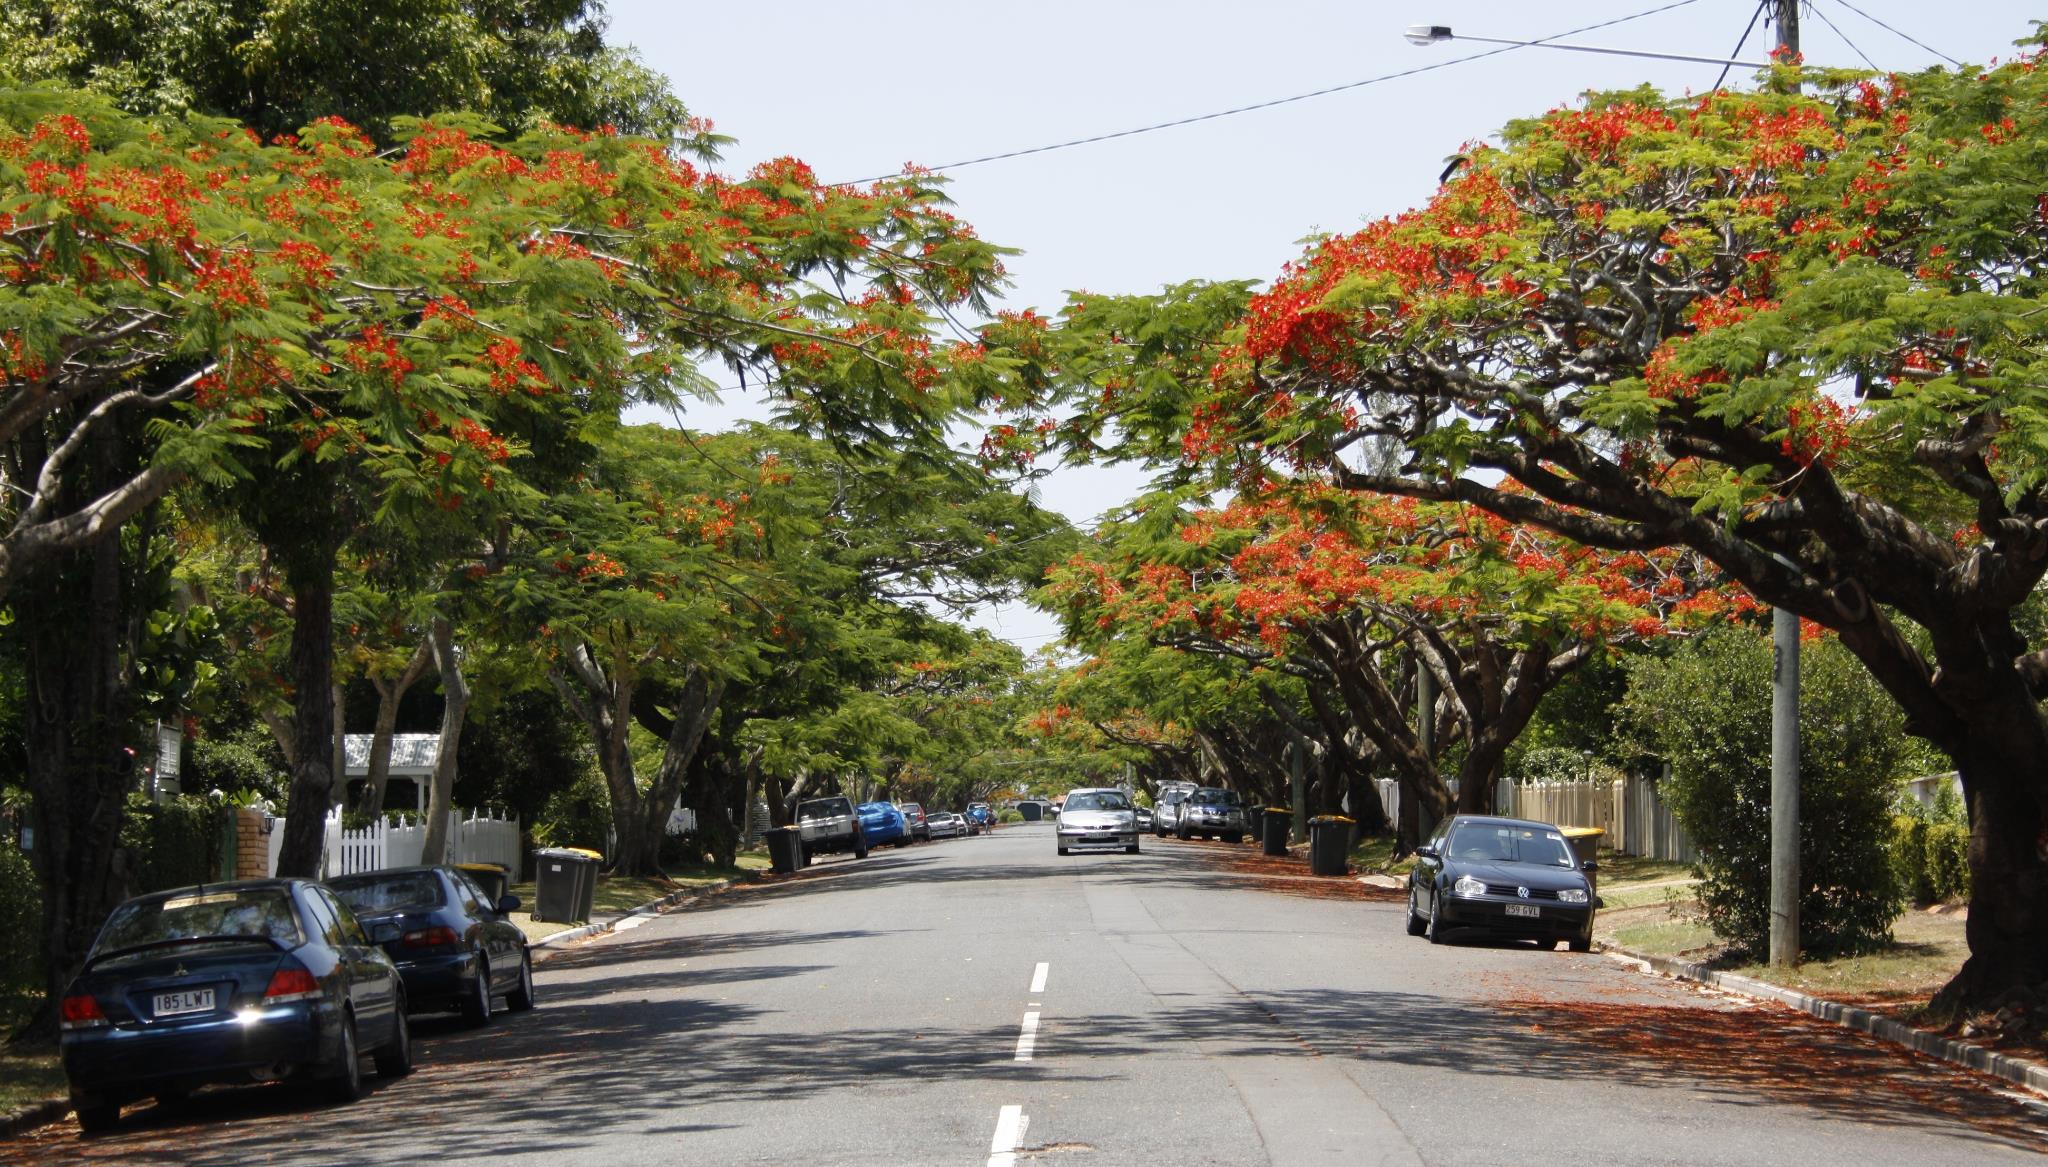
(390, 691)
(604, 703)
(80, 716)
(454, 708)
(309, 573)
(690, 709)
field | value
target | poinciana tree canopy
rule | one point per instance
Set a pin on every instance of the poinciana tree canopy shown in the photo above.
(1800, 334)
(1353, 592)
(431, 313)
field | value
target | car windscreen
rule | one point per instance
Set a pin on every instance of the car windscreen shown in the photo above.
(1213, 796)
(823, 808)
(389, 891)
(257, 913)
(1501, 843)
(1104, 801)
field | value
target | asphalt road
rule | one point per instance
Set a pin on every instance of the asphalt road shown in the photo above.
(983, 1001)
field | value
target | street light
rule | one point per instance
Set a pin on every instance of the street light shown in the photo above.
(1429, 34)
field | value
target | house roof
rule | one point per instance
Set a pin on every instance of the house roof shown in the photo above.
(412, 754)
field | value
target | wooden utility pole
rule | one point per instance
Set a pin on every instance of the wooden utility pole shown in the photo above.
(1784, 943)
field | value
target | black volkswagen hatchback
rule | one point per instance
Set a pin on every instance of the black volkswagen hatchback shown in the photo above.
(452, 943)
(1509, 877)
(234, 982)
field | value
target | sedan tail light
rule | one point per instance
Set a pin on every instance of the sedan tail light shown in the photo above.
(80, 1011)
(430, 938)
(290, 984)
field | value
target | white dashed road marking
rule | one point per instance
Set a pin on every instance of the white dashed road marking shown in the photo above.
(1027, 1037)
(1002, 1150)
(1038, 978)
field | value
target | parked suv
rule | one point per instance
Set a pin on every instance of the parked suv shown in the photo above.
(1213, 813)
(829, 824)
(913, 817)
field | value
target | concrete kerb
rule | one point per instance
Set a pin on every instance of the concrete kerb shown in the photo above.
(33, 1115)
(547, 945)
(2019, 1071)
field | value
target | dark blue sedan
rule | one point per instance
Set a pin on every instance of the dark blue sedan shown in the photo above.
(254, 981)
(452, 943)
(882, 823)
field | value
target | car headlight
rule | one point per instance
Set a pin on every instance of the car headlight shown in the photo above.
(1572, 895)
(1468, 887)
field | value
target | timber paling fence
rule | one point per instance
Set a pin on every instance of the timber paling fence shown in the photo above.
(1636, 820)
(400, 840)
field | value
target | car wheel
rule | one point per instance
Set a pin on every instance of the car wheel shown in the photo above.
(1435, 928)
(1581, 943)
(345, 1077)
(1416, 923)
(520, 999)
(476, 1003)
(860, 851)
(174, 1097)
(96, 1117)
(1063, 849)
(395, 1059)
(1237, 840)
(1132, 849)
(1181, 832)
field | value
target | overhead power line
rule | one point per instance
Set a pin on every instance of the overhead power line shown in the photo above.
(1817, 11)
(1195, 119)
(1895, 32)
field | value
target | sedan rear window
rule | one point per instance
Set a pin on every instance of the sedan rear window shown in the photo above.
(823, 808)
(389, 892)
(1493, 843)
(258, 913)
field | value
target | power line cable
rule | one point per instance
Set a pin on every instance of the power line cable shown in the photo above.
(1895, 32)
(1746, 30)
(1278, 101)
(1816, 10)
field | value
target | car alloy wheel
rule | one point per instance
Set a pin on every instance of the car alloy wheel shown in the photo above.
(346, 1083)
(1416, 923)
(395, 1059)
(476, 1004)
(520, 999)
(1435, 930)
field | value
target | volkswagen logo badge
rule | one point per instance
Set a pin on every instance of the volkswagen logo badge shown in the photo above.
(1523, 892)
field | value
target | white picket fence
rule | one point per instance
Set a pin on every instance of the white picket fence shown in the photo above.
(400, 841)
(1636, 821)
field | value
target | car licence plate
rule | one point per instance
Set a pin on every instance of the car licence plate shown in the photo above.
(1529, 910)
(185, 1001)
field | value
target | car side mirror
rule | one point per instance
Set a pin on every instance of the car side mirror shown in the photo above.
(1425, 852)
(383, 932)
(507, 905)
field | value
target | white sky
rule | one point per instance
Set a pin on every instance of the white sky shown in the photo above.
(857, 90)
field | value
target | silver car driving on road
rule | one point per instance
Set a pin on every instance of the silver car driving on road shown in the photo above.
(1097, 817)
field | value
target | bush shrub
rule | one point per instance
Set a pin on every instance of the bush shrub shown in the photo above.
(1932, 859)
(21, 920)
(176, 843)
(1852, 750)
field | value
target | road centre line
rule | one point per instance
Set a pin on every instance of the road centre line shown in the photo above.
(1002, 1150)
(1027, 1038)
(1038, 977)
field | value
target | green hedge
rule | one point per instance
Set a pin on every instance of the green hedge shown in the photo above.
(1932, 859)
(179, 842)
(21, 920)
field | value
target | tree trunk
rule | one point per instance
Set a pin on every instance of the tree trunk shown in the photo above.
(454, 708)
(310, 576)
(604, 703)
(682, 729)
(80, 716)
(337, 757)
(389, 693)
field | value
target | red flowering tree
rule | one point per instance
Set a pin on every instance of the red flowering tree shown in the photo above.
(1801, 335)
(1354, 592)
(418, 338)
